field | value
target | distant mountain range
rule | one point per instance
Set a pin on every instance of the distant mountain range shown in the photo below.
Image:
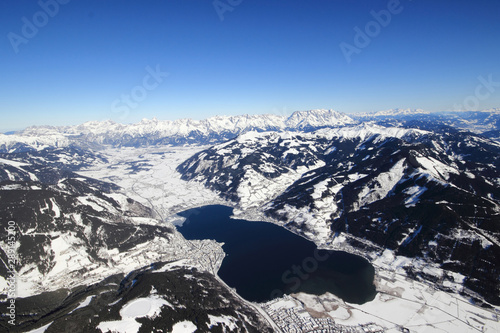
(486, 122)
(220, 128)
(157, 132)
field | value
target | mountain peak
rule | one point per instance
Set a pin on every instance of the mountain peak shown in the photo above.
(305, 120)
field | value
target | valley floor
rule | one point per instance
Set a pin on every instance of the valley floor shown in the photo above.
(402, 304)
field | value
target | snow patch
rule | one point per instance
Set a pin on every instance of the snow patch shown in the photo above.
(184, 327)
(414, 193)
(227, 321)
(380, 186)
(140, 307)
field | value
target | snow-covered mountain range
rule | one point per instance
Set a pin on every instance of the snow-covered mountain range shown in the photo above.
(157, 132)
(486, 122)
(416, 193)
(217, 129)
(391, 113)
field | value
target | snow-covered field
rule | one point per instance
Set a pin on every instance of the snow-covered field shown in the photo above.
(148, 175)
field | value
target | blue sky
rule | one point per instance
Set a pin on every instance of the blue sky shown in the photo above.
(93, 59)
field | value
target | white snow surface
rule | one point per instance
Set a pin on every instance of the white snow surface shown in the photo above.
(85, 302)
(144, 307)
(40, 329)
(413, 193)
(381, 185)
(141, 307)
(184, 327)
(228, 321)
(13, 163)
(436, 169)
(156, 185)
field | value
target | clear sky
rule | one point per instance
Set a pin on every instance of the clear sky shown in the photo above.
(101, 59)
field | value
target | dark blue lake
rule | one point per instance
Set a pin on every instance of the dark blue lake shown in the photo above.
(265, 260)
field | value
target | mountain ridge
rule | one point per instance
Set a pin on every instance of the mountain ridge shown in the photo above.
(182, 131)
(218, 129)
